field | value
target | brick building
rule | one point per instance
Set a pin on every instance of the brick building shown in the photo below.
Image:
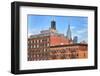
(50, 44)
(71, 51)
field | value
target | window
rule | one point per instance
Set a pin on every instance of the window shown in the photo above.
(37, 46)
(41, 40)
(34, 46)
(48, 44)
(84, 55)
(44, 50)
(37, 41)
(34, 41)
(31, 46)
(31, 41)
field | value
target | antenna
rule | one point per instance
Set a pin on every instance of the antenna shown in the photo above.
(68, 20)
(53, 18)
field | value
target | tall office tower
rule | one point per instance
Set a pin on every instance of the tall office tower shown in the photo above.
(53, 24)
(69, 33)
(75, 39)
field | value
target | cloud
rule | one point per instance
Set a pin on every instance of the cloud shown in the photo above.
(33, 31)
(73, 27)
(82, 34)
(45, 27)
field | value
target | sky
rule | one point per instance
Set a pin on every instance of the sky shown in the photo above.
(78, 25)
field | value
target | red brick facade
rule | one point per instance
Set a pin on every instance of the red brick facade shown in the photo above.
(57, 40)
(55, 47)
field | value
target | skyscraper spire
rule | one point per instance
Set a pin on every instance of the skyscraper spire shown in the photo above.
(69, 33)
